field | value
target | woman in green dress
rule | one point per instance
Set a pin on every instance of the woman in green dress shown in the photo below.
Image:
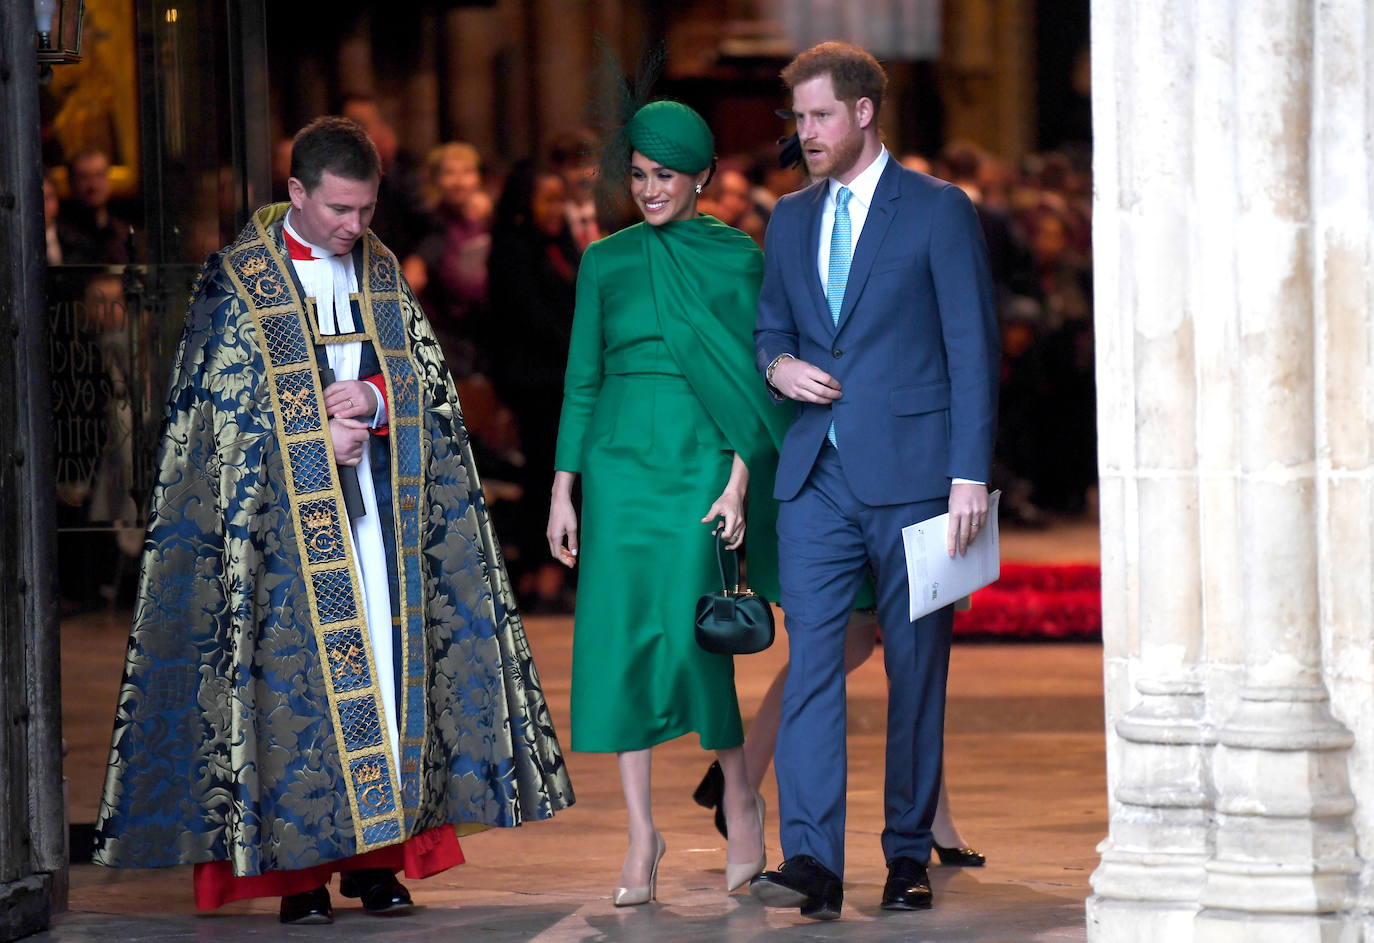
(667, 422)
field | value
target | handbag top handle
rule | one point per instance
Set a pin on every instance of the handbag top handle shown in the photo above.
(721, 552)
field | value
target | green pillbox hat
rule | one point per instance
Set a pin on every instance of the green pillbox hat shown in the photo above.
(673, 135)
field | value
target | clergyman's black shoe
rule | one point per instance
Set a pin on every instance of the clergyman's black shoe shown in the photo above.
(710, 794)
(801, 881)
(379, 891)
(307, 907)
(908, 886)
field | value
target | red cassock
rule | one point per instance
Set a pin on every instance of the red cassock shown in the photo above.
(427, 854)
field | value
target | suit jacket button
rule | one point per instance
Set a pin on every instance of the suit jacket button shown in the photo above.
(837, 353)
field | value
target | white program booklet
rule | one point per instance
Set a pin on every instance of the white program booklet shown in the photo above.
(934, 577)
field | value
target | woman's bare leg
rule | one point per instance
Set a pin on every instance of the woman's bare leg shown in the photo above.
(943, 828)
(741, 812)
(635, 782)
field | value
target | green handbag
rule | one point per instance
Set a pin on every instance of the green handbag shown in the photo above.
(733, 621)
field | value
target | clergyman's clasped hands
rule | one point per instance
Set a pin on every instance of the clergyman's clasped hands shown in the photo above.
(349, 405)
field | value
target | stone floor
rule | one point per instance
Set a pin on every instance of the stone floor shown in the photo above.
(1024, 765)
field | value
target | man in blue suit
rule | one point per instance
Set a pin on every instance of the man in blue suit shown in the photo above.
(881, 275)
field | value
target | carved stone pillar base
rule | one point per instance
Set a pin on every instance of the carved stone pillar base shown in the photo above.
(1220, 926)
(1133, 921)
(1153, 861)
(1284, 863)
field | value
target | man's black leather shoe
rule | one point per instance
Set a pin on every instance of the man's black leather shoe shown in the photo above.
(308, 907)
(908, 886)
(801, 881)
(379, 891)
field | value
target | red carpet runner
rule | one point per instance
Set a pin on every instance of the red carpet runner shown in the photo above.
(1036, 601)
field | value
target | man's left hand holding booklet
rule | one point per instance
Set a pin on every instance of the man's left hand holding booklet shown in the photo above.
(936, 579)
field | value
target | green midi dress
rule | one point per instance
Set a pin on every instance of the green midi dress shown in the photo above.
(660, 392)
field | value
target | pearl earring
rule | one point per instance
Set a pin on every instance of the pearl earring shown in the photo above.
(698, 188)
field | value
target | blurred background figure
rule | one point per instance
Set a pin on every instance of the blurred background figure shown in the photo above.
(771, 180)
(51, 206)
(89, 233)
(532, 283)
(400, 217)
(729, 198)
(917, 163)
(281, 168)
(1062, 290)
(963, 166)
(572, 155)
(448, 268)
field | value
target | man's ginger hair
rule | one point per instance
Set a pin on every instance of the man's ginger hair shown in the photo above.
(853, 71)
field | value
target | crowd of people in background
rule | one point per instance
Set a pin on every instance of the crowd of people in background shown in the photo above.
(494, 257)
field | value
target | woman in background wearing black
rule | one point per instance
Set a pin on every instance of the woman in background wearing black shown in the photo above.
(532, 280)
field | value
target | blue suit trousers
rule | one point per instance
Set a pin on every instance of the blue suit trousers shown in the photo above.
(827, 540)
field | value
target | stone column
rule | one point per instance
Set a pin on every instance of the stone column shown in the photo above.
(354, 64)
(472, 39)
(987, 70)
(1157, 846)
(418, 124)
(1233, 314)
(1343, 254)
(565, 59)
(1284, 861)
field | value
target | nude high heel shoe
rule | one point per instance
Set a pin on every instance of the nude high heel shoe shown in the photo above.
(738, 875)
(630, 896)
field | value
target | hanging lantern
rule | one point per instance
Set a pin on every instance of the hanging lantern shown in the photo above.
(59, 30)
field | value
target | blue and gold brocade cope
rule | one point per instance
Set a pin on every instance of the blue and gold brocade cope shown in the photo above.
(249, 726)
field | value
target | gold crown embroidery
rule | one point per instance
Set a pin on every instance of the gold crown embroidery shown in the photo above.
(370, 772)
(317, 519)
(254, 266)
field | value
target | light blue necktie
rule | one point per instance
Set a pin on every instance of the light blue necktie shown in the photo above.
(837, 276)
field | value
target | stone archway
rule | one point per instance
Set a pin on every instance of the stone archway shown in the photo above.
(1235, 374)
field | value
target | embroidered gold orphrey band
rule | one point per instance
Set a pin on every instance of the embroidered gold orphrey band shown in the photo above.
(384, 318)
(257, 267)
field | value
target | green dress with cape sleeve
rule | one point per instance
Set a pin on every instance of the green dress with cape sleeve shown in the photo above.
(660, 393)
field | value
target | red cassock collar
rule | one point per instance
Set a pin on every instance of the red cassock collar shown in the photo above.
(297, 250)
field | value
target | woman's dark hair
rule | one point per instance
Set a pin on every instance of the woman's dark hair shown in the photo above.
(514, 210)
(338, 145)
